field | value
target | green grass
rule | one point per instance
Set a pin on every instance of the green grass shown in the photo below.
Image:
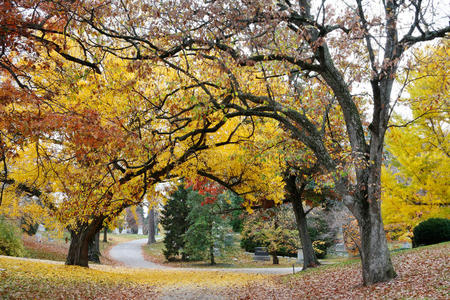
(233, 257)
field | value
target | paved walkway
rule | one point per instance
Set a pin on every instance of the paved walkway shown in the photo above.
(130, 254)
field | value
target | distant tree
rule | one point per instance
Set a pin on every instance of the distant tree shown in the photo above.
(132, 220)
(275, 229)
(208, 225)
(352, 238)
(174, 217)
(140, 217)
(151, 225)
(416, 183)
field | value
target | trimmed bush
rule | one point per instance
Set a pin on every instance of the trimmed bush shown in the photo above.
(10, 240)
(431, 231)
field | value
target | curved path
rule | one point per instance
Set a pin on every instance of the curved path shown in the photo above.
(130, 254)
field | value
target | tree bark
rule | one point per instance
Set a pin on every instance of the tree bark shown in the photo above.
(309, 257)
(151, 227)
(375, 257)
(78, 249)
(94, 249)
(78, 253)
(105, 235)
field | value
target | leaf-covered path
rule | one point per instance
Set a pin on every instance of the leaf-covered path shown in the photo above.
(130, 254)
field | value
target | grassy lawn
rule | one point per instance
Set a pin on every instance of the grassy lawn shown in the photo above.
(233, 257)
(422, 274)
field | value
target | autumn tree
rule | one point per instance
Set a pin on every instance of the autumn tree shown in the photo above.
(272, 228)
(307, 186)
(271, 189)
(132, 220)
(295, 194)
(338, 47)
(269, 168)
(304, 43)
(98, 145)
(416, 181)
(20, 47)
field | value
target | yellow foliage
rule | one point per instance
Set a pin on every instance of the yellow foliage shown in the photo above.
(98, 274)
(252, 167)
(416, 185)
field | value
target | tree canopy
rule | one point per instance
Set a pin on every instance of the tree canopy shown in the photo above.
(196, 66)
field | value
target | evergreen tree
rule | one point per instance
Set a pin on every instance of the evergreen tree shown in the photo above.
(207, 228)
(174, 217)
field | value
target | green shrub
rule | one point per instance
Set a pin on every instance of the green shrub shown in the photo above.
(431, 231)
(320, 248)
(10, 240)
(249, 242)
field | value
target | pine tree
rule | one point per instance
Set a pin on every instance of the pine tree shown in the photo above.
(174, 221)
(207, 226)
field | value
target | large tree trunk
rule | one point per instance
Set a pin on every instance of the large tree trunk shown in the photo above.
(375, 257)
(294, 194)
(364, 199)
(78, 253)
(94, 249)
(78, 249)
(151, 227)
